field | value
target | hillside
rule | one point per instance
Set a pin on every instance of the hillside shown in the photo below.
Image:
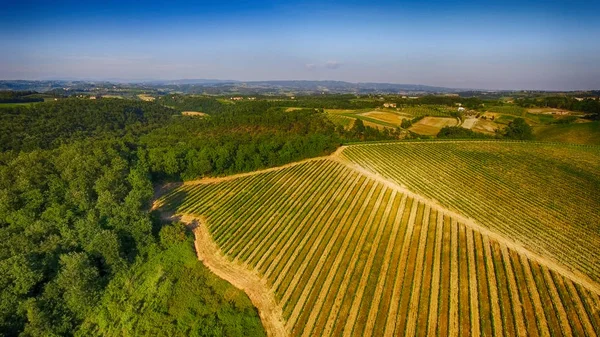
(345, 252)
(544, 196)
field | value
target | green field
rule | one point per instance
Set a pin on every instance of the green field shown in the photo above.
(576, 133)
(507, 109)
(543, 195)
(347, 253)
(12, 105)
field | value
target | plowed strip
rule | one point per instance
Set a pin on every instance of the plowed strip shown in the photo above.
(426, 290)
(351, 320)
(435, 278)
(475, 330)
(384, 269)
(393, 312)
(517, 306)
(560, 309)
(413, 310)
(331, 320)
(454, 291)
(493, 286)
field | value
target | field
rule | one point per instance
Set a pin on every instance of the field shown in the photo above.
(542, 195)
(194, 113)
(508, 109)
(339, 119)
(427, 110)
(146, 97)
(469, 123)
(348, 253)
(13, 105)
(430, 126)
(386, 116)
(485, 126)
(576, 133)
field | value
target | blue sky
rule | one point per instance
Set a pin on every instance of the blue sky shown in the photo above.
(471, 44)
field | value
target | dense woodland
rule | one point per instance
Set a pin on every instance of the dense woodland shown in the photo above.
(589, 106)
(78, 247)
(7, 96)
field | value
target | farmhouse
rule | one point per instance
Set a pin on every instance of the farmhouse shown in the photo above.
(389, 105)
(460, 109)
(238, 98)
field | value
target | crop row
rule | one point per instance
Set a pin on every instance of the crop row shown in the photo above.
(545, 196)
(346, 255)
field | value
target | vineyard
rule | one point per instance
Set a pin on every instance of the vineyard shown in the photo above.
(347, 253)
(542, 195)
(427, 110)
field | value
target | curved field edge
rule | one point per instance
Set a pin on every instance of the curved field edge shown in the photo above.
(419, 241)
(242, 278)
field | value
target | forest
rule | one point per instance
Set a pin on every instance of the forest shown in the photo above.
(78, 245)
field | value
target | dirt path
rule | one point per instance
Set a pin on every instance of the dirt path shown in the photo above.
(269, 311)
(474, 300)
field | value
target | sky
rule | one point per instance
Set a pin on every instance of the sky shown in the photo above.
(546, 45)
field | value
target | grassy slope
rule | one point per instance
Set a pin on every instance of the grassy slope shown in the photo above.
(173, 294)
(578, 133)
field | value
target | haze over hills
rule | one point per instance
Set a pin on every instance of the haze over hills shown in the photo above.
(234, 86)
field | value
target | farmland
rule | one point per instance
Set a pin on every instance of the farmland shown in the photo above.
(542, 195)
(430, 126)
(347, 252)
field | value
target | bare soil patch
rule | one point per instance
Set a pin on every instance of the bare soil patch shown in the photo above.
(194, 113)
(469, 123)
(385, 116)
(430, 126)
(240, 277)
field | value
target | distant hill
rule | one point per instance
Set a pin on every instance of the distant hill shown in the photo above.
(215, 86)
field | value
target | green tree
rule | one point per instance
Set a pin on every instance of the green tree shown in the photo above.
(518, 129)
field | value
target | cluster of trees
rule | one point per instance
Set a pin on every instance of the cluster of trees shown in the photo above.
(407, 123)
(171, 294)
(516, 129)
(589, 106)
(361, 132)
(75, 228)
(48, 125)
(71, 218)
(8, 96)
(237, 141)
